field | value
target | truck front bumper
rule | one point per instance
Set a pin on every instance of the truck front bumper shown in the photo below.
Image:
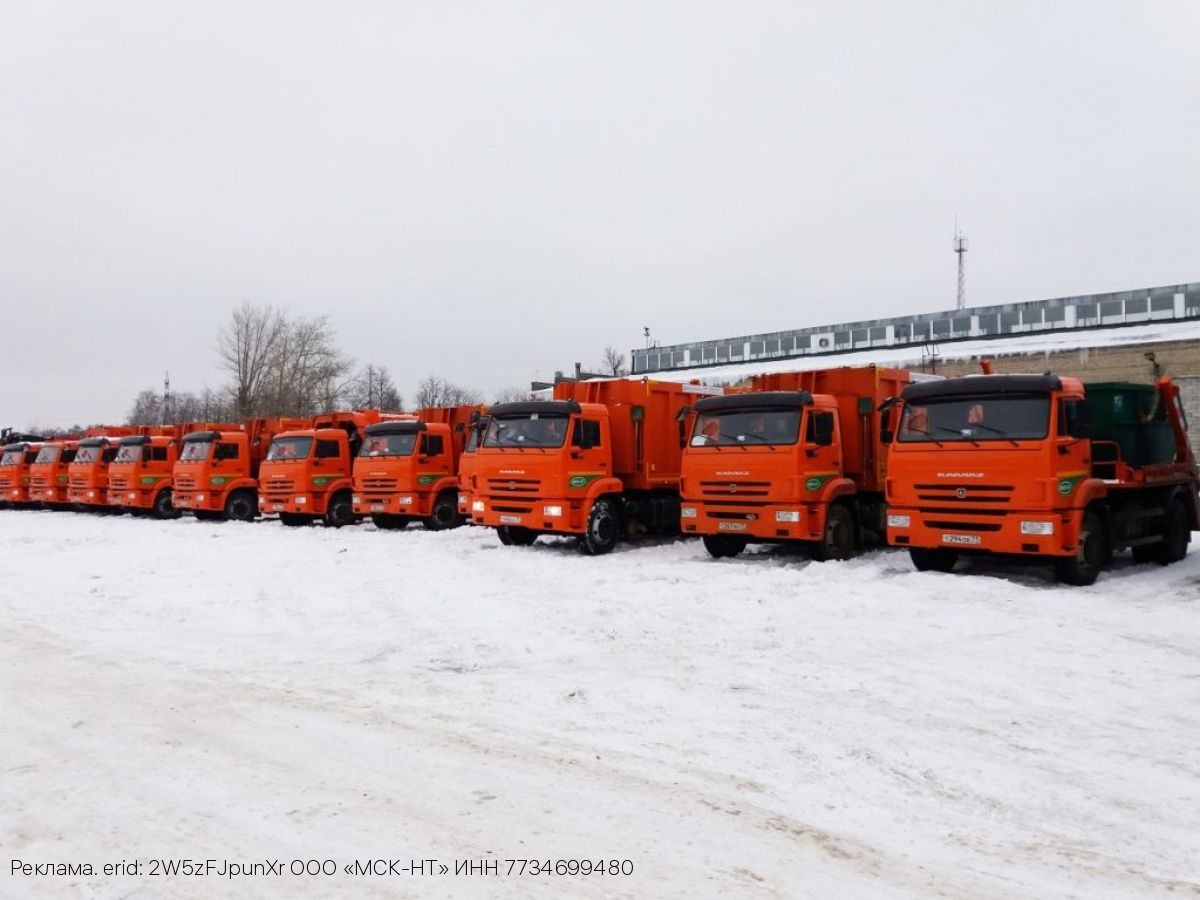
(1029, 532)
(544, 515)
(768, 522)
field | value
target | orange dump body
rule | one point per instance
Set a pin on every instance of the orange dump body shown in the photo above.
(48, 474)
(768, 464)
(407, 468)
(16, 462)
(543, 466)
(216, 473)
(994, 464)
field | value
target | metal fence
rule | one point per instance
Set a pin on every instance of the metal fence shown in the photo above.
(1172, 302)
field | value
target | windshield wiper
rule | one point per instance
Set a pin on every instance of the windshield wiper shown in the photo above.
(960, 432)
(1003, 434)
(734, 439)
(928, 434)
(770, 446)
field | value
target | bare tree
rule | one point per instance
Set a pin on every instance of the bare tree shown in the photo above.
(509, 395)
(437, 391)
(249, 347)
(373, 388)
(614, 362)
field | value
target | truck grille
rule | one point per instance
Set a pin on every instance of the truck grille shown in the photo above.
(41, 481)
(735, 488)
(185, 482)
(965, 493)
(79, 481)
(513, 486)
(6, 481)
(379, 484)
(279, 484)
(118, 482)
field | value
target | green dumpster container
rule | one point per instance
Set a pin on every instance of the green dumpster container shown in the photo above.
(1126, 413)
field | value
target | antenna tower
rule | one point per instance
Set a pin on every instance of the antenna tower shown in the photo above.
(960, 249)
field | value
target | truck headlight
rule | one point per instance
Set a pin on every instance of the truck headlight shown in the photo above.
(551, 511)
(199, 498)
(898, 521)
(462, 498)
(787, 515)
(132, 495)
(356, 500)
(477, 506)
(91, 493)
(1043, 528)
(405, 500)
(301, 501)
(687, 512)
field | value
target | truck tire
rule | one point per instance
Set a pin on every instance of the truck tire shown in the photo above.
(340, 511)
(1084, 567)
(603, 529)
(444, 514)
(241, 507)
(515, 536)
(932, 559)
(294, 520)
(207, 515)
(1176, 535)
(162, 505)
(722, 545)
(386, 522)
(840, 540)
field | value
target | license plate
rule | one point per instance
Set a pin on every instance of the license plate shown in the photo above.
(510, 520)
(961, 539)
(278, 507)
(376, 507)
(731, 526)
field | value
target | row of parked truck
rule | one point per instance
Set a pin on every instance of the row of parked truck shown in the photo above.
(1037, 466)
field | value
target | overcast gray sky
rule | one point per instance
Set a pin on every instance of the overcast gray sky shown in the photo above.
(494, 190)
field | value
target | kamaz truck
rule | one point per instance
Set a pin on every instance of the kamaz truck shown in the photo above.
(16, 479)
(1042, 467)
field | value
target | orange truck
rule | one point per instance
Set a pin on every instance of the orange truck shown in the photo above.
(1042, 467)
(16, 478)
(797, 457)
(407, 470)
(216, 474)
(87, 474)
(600, 461)
(466, 464)
(49, 477)
(307, 474)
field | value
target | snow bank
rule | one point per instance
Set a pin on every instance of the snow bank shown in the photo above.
(759, 727)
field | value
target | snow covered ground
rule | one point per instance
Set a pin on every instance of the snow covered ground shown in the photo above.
(759, 727)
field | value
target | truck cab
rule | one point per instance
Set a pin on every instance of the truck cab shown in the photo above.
(16, 461)
(139, 478)
(214, 476)
(406, 472)
(48, 475)
(467, 464)
(767, 466)
(88, 473)
(1014, 465)
(306, 477)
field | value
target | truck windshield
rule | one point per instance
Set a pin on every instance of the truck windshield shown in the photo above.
(389, 444)
(48, 455)
(194, 451)
(998, 417)
(536, 430)
(87, 454)
(289, 448)
(127, 454)
(10, 457)
(746, 426)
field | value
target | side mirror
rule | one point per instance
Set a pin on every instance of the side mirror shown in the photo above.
(886, 436)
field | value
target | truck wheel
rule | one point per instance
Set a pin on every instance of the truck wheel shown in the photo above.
(932, 559)
(386, 522)
(162, 505)
(603, 529)
(515, 536)
(1177, 534)
(207, 515)
(722, 545)
(340, 511)
(1084, 567)
(445, 513)
(294, 520)
(241, 507)
(839, 540)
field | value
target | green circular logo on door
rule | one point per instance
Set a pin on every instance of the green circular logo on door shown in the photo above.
(577, 481)
(1065, 486)
(812, 484)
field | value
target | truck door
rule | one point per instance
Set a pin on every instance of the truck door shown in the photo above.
(822, 450)
(589, 457)
(433, 460)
